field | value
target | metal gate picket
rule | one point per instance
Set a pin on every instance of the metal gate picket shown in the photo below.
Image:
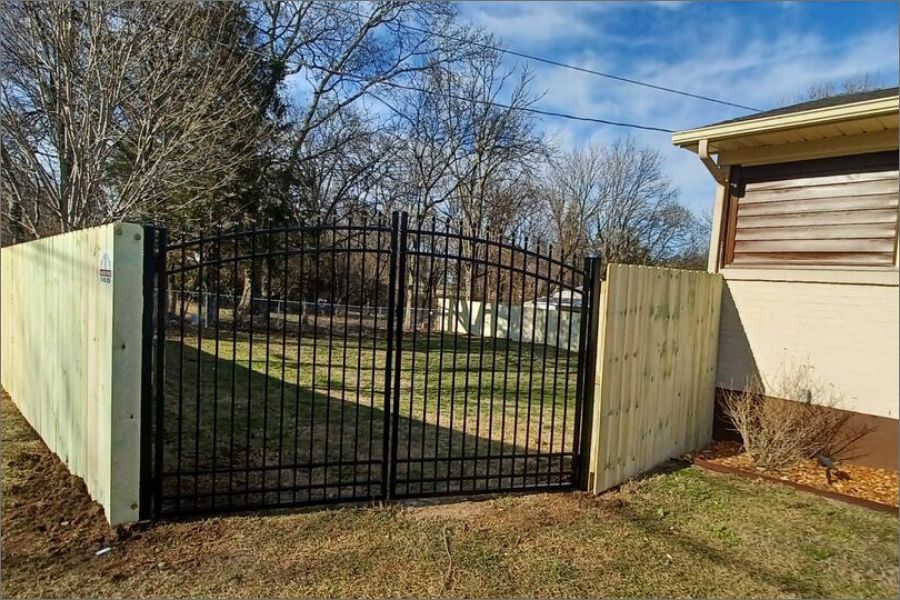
(302, 365)
(488, 371)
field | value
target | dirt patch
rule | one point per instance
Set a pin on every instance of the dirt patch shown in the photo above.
(869, 483)
(449, 511)
(47, 511)
(506, 514)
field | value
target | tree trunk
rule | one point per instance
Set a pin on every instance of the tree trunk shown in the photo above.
(246, 297)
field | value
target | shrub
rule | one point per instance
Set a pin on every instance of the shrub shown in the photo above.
(799, 422)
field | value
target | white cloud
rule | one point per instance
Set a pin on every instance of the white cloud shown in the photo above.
(706, 51)
(524, 25)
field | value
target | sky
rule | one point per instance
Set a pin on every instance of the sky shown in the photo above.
(761, 55)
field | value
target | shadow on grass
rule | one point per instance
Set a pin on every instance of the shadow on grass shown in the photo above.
(730, 556)
(247, 426)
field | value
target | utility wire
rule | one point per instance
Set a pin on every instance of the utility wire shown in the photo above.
(563, 65)
(652, 86)
(548, 113)
(538, 111)
(493, 103)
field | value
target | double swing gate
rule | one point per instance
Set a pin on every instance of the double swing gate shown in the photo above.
(357, 362)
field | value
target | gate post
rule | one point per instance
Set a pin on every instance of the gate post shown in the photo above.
(162, 313)
(587, 369)
(400, 278)
(149, 269)
(153, 341)
(388, 447)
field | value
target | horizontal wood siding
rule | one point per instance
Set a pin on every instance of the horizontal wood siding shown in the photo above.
(838, 217)
(818, 232)
(827, 212)
(835, 259)
(760, 192)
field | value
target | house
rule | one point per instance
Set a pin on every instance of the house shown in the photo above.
(805, 235)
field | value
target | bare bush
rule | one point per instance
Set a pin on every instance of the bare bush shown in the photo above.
(792, 420)
(774, 432)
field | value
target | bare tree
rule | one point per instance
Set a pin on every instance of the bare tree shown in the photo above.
(616, 202)
(111, 109)
(471, 142)
(344, 60)
(860, 82)
(349, 158)
(573, 201)
(460, 147)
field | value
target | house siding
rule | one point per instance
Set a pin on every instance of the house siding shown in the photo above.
(848, 334)
(810, 265)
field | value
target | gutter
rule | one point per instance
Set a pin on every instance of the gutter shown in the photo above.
(881, 107)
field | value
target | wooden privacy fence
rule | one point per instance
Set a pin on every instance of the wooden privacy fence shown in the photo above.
(655, 369)
(70, 313)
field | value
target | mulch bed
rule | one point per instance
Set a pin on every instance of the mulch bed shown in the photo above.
(873, 486)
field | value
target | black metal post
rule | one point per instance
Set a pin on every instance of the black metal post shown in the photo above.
(387, 430)
(400, 278)
(149, 270)
(587, 367)
(162, 284)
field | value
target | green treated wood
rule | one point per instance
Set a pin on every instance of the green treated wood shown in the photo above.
(71, 354)
(654, 394)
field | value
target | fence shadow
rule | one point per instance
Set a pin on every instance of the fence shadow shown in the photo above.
(247, 426)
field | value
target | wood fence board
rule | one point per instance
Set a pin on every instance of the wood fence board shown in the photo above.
(655, 369)
(66, 337)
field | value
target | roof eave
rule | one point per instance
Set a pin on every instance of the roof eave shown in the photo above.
(819, 116)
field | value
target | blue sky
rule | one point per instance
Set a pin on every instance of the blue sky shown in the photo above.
(757, 54)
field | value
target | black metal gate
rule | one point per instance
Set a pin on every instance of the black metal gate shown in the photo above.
(357, 362)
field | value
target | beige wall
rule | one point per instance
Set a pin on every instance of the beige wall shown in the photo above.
(70, 355)
(848, 333)
(500, 320)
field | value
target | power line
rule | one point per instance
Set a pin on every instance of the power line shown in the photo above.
(627, 80)
(528, 109)
(520, 108)
(548, 113)
(564, 65)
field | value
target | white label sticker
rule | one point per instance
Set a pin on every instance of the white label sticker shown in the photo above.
(104, 271)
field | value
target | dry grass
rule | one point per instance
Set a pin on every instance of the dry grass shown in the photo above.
(684, 533)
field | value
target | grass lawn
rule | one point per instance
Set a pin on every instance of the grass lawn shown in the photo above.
(675, 534)
(278, 411)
